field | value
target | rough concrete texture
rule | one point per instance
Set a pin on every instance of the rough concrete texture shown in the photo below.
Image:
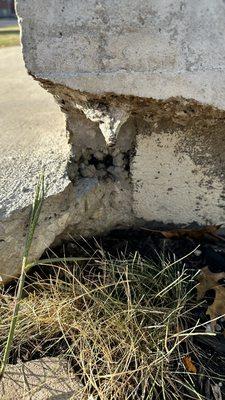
(43, 379)
(142, 87)
(33, 138)
(145, 48)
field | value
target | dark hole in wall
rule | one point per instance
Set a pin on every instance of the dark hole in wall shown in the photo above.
(108, 160)
(128, 156)
(102, 166)
(93, 160)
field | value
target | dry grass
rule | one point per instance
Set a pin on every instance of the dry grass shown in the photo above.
(127, 324)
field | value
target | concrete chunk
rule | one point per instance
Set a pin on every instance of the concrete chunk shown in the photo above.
(149, 48)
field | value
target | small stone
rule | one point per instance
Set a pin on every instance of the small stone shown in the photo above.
(99, 155)
(72, 169)
(119, 160)
(87, 171)
(119, 173)
(197, 252)
(218, 328)
(102, 173)
(105, 151)
(115, 151)
(111, 169)
(100, 166)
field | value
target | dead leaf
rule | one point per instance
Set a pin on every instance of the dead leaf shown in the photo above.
(208, 280)
(217, 308)
(189, 365)
(196, 234)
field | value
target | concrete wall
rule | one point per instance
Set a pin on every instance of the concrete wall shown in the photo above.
(142, 85)
(145, 48)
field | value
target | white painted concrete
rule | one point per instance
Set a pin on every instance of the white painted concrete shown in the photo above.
(170, 187)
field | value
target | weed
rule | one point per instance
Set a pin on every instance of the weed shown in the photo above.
(35, 212)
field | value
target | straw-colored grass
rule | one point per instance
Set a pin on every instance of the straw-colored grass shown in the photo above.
(127, 324)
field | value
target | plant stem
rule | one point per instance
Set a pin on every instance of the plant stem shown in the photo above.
(14, 319)
(36, 209)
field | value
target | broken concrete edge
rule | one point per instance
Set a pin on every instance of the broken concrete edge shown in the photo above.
(132, 103)
(106, 129)
(139, 85)
(91, 207)
(143, 85)
(168, 115)
(145, 49)
(110, 112)
(101, 195)
(155, 86)
(88, 209)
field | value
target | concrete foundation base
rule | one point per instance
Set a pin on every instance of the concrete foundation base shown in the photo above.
(142, 87)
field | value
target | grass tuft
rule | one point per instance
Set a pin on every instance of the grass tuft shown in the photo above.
(126, 325)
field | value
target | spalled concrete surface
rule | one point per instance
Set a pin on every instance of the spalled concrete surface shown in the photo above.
(43, 379)
(33, 137)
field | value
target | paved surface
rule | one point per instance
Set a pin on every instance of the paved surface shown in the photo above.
(32, 134)
(43, 379)
(7, 22)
